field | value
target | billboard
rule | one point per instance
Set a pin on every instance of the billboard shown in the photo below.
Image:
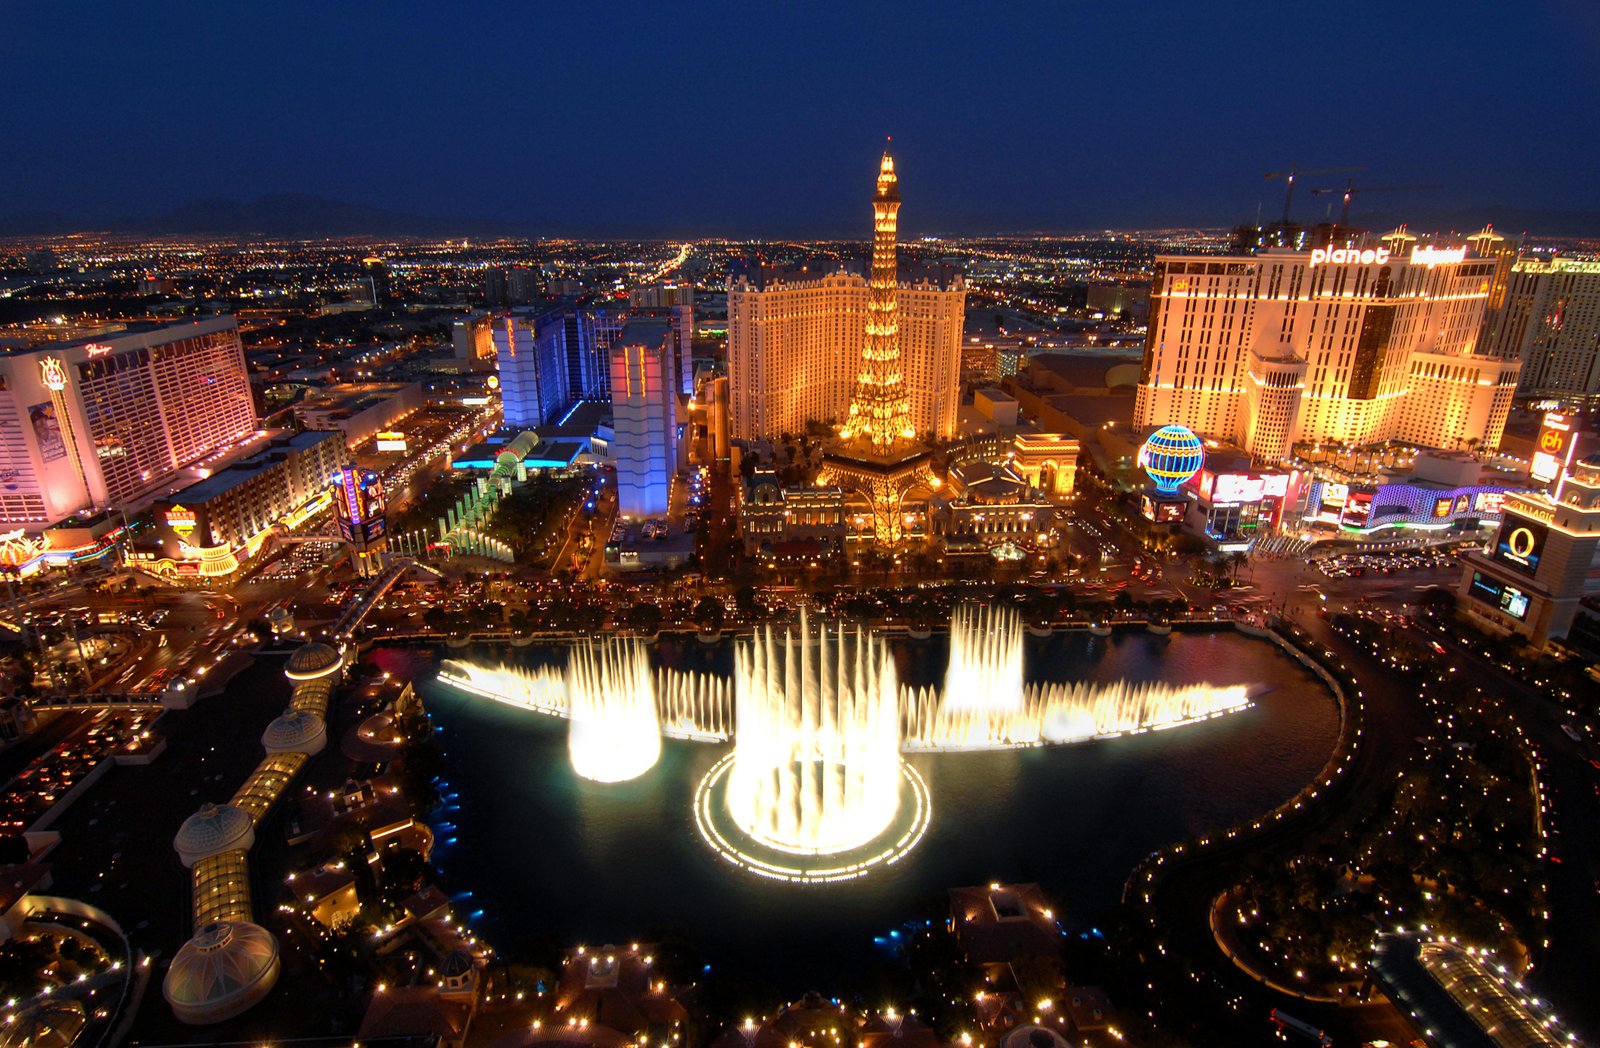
(358, 503)
(1500, 595)
(391, 441)
(182, 520)
(1552, 451)
(1441, 508)
(1244, 487)
(1521, 543)
(1357, 508)
(47, 432)
(1163, 511)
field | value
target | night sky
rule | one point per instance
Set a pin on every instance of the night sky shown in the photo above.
(759, 119)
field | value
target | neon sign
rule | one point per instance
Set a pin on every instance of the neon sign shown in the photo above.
(182, 520)
(1349, 256)
(1433, 256)
(54, 375)
(97, 349)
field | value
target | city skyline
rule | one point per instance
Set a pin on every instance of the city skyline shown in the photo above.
(723, 122)
(506, 511)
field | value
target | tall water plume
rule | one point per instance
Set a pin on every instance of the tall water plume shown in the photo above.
(816, 766)
(615, 734)
(985, 668)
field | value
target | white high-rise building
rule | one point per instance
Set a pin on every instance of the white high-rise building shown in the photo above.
(644, 415)
(795, 339)
(1551, 321)
(101, 423)
(1352, 345)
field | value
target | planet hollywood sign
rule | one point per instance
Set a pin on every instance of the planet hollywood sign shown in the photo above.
(1351, 256)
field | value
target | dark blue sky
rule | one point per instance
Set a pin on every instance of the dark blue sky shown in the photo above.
(766, 118)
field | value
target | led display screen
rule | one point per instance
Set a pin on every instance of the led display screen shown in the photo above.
(1521, 543)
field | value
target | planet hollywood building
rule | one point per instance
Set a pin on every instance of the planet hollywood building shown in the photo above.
(1354, 345)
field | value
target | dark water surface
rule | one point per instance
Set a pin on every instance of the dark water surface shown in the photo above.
(551, 858)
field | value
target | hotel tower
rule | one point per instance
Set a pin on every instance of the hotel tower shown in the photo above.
(804, 341)
(1357, 345)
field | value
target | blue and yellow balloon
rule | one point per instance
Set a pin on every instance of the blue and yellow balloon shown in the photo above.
(1170, 456)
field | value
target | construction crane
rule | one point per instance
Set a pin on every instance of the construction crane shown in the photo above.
(1293, 173)
(1351, 190)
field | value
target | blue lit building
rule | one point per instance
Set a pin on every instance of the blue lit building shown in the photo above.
(644, 405)
(551, 359)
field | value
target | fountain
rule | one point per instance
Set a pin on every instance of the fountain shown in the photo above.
(816, 764)
(1054, 714)
(815, 787)
(985, 669)
(615, 732)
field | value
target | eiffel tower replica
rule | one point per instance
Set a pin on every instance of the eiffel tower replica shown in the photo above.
(878, 455)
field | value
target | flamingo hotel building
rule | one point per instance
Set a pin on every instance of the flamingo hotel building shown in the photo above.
(1357, 345)
(103, 423)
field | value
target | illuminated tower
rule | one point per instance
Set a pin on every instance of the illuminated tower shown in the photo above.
(878, 457)
(880, 411)
(358, 506)
(54, 375)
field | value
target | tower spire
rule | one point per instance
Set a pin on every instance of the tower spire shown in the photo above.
(880, 410)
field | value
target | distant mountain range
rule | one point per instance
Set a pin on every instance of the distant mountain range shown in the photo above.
(276, 215)
(303, 215)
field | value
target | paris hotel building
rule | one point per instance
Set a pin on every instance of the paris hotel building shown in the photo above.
(1355, 344)
(104, 422)
(795, 338)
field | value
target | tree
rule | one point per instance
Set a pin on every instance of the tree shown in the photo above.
(749, 604)
(644, 618)
(709, 613)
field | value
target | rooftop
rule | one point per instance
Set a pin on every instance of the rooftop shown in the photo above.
(281, 447)
(137, 335)
(760, 275)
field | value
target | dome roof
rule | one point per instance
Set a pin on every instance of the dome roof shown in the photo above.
(456, 963)
(212, 830)
(46, 1024)
(225, 969)
(312, 660)
(1033, 1037)
(296, 731)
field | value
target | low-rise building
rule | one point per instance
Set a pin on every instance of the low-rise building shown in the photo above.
(360, 410)
(208, 524)
(989, 501)
(796, 524)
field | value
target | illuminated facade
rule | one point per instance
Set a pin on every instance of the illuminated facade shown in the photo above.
(103, 423)
(799, 339)
(644, 414)
(1551, 322)
(226, 511)
(358, 507)
(1336, 345)
(1545, 559)
(549, 360)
